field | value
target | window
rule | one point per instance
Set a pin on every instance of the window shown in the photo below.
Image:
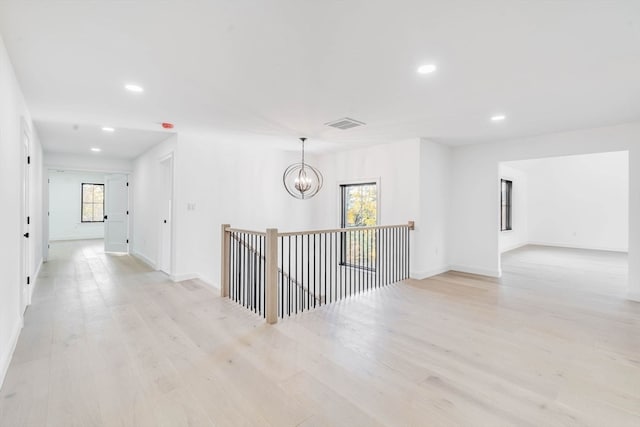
(506, 198)
(359, 208)
(92, 202)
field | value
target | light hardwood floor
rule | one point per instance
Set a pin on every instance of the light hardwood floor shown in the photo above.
(109, 342)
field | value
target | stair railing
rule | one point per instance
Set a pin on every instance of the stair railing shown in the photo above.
(278, 274)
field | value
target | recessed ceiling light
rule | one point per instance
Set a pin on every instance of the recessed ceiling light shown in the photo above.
(108, 129)
(97, 150)
(133, 88)
(426, 69)
(498, 118)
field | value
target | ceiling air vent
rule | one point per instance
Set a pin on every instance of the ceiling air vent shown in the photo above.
(345, 123)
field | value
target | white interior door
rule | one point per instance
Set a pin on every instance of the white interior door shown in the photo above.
(116, 224)
(25, 291)
(166, 167)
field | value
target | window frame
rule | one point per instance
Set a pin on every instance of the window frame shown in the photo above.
(342, 217)
(506, 224)
(82, 202)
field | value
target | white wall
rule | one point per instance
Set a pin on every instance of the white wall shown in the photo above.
(228, 183)
(145, 201)
(65, 189)
(519, 233)
(474, 213)
(12, 111)
(580, 201)
(94, 162)
(395, 165)
(432, 225)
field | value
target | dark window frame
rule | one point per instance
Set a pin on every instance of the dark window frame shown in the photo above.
(343, 223)
(82, 202)
(506, 214)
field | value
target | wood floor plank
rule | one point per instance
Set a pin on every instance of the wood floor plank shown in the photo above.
(108, 342)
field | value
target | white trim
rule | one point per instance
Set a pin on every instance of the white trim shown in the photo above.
(195, 276)
(476, 270)
(35, 280)
(172, 256)
(212, 285)
(143, 258)
(513, 247)
(571, 246)
(633, 296)
(183, 277)
(72, 237)
(340, 183)
(54, 167)
(419, 275)
(6, 358)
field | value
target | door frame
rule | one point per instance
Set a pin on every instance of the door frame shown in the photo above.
(169, 156)
(25, 212)
(46, 195)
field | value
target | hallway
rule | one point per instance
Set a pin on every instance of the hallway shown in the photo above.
(109, 342)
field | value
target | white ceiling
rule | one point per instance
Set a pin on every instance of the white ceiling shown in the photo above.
(278, 69)
(59, 137)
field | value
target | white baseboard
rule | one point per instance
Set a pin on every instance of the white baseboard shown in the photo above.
(5, 359)
(419, 275)
(209, 283)
(72, 237)
(144, 259)
(194, 276)
(476, 270)
(35, 279)
(183, 277)
(572, 246)
(513, 247)
(633, 296)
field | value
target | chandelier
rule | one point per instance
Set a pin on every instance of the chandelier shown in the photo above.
(301, 180)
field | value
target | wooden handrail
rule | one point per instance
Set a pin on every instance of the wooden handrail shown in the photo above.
(240, 230)
(410, 225)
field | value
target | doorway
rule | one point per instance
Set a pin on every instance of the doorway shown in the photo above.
(25, 291)
(166, 219)
(566, 219)
(88, 205)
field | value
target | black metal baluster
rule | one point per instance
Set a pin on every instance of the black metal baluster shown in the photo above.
(296, 276)
(315, 294)
(288, 275)
(241, 265)
(409, 252)
(254, 240)
(395, 253)
(351, 272)
(360, 270)
(246, 267)
(232, 285)
(238, 268)
(344, 265)
(325, 268)
(260, 275)
(330, 265)
(406, 254)
(368, 260)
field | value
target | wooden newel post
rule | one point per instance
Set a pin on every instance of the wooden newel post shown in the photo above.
(225, 238)
(271, 299)
(412, 225)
